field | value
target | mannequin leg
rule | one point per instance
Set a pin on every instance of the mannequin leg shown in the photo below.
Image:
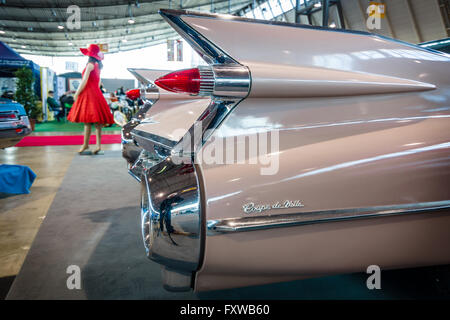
(87, 135)
(98, 133)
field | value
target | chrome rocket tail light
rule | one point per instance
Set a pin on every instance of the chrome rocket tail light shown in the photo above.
(228, 80)
(227, 84)
(133, 94)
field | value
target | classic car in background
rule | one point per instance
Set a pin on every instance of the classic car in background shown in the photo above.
(442, 45)
(362, 173)
(14, 123)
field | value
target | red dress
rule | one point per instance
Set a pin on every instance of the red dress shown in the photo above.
(91, 106)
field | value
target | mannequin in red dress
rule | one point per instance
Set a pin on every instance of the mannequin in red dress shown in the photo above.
(90, 106)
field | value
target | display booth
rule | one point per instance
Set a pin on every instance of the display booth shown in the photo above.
(49, 82)
(10, 62)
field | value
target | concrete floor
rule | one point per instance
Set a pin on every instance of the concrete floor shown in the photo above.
(22, 215)
(93, 223)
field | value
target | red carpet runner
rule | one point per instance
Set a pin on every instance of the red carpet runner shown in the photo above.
(37, 141)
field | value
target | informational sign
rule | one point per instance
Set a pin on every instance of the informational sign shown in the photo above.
(74, 84)
(71, 66)
(170, 50)
(179, 50)
(103, 47)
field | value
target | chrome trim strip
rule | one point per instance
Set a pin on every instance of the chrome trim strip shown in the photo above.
(169, 144)
(207, 50)
(200, 131)
(134, 176)
(231, 225)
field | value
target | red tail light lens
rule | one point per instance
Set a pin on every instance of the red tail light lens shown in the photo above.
(133, 94)
(8, 116)
(183, 81)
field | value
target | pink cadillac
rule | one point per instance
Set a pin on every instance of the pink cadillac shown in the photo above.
(355, 130)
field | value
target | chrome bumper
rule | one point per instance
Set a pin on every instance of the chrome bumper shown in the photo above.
(171, 220)
(170, 207)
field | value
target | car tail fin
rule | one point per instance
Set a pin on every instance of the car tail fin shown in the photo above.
(301, 60)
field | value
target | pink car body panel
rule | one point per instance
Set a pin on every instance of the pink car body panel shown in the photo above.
(363, 126)
(345, 142)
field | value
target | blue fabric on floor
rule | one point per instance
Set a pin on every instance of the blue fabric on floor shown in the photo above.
(16, 179)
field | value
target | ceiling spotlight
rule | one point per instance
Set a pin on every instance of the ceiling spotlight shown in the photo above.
(317, 5)
(60, 27)
(131, 21)
(332, 25)
(2, 32)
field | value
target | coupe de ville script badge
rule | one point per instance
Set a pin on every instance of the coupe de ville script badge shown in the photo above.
(251, 207)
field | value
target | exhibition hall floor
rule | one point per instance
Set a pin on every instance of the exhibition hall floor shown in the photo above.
(83, 211)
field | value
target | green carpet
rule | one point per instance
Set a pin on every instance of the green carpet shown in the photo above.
(55, 126)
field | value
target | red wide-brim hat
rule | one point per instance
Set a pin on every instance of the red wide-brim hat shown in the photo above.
(93, 51)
